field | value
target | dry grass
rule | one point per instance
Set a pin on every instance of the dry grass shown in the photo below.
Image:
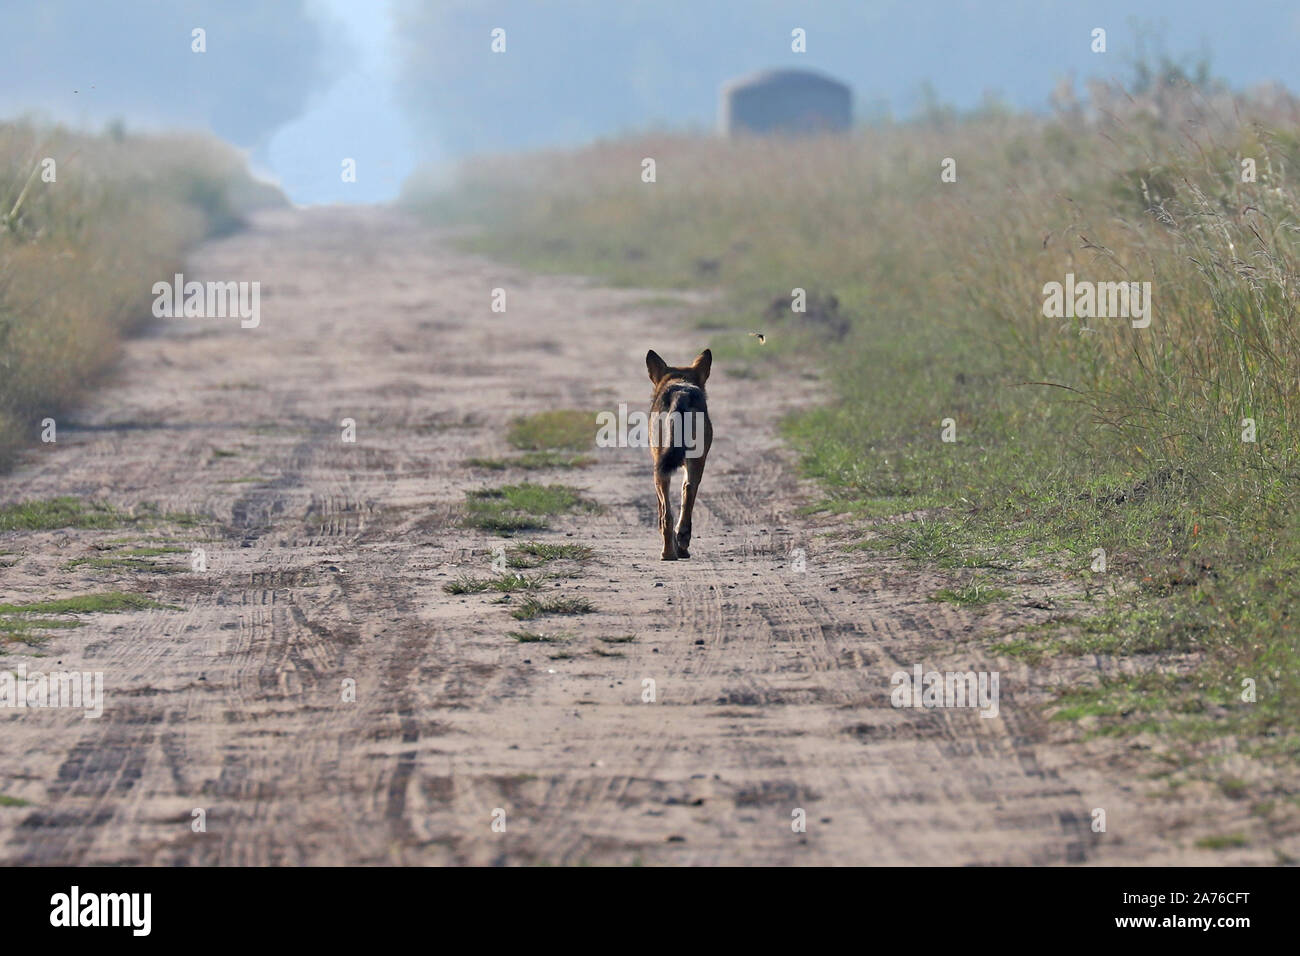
(79, 255)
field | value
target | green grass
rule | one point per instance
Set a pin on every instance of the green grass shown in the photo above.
(131, 559)
(19, 624)
(533, 554)
(505, 583)
(51, 514)
(63, 512)
(1189, 710)
(532, 461)
(148, 514)
(558, 429)
(974, 594)
(117, 564)
(1226, 841)
(8, 801)
(106, 602)
(532, 637)
(547, 440)
(532, 607)
(521, 507)
(17, 628)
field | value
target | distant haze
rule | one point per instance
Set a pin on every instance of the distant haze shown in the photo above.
(305, 84)
(89, 61)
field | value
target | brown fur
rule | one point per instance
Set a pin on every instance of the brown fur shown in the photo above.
(680, 390)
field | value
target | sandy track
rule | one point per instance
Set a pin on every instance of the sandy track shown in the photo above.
(772, 685)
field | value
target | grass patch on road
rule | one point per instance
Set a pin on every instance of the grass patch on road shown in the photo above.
(532, 554)
(563, 429)
(550, 439)
(1226, 841)
(522, 507)
(107, 602)
(532, 607)
(49, 514)
(533, 637)
(506, 583)
(137, 559)
(68, 512)
(21, 623)
(974, 594)
(30, 630)
(532, 461)
(122, 563)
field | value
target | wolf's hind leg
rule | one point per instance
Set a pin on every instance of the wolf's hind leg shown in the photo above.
(690, 486)
(665, 516)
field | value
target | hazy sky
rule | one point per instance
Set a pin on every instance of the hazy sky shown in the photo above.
(303, 84)
(357, 117)
(87, 61)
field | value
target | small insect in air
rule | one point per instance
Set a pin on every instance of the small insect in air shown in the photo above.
(762, 339)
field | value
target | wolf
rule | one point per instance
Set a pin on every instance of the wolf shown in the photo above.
(681, 434)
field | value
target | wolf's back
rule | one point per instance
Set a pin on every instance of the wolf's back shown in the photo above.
(677, 402)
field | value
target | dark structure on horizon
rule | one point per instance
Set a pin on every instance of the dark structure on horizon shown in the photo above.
(788, 102)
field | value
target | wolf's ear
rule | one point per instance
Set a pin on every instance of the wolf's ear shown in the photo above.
(703, 362)
(655, 366)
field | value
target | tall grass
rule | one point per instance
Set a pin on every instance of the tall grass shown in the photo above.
(1071, 435)
(78, 255)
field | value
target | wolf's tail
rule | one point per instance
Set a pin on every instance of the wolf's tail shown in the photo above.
(681, 403)
(672, 459)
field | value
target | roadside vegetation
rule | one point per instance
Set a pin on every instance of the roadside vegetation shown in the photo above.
(87, 224)
(1157, 468)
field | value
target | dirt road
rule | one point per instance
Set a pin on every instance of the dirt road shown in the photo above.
(326, 563)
